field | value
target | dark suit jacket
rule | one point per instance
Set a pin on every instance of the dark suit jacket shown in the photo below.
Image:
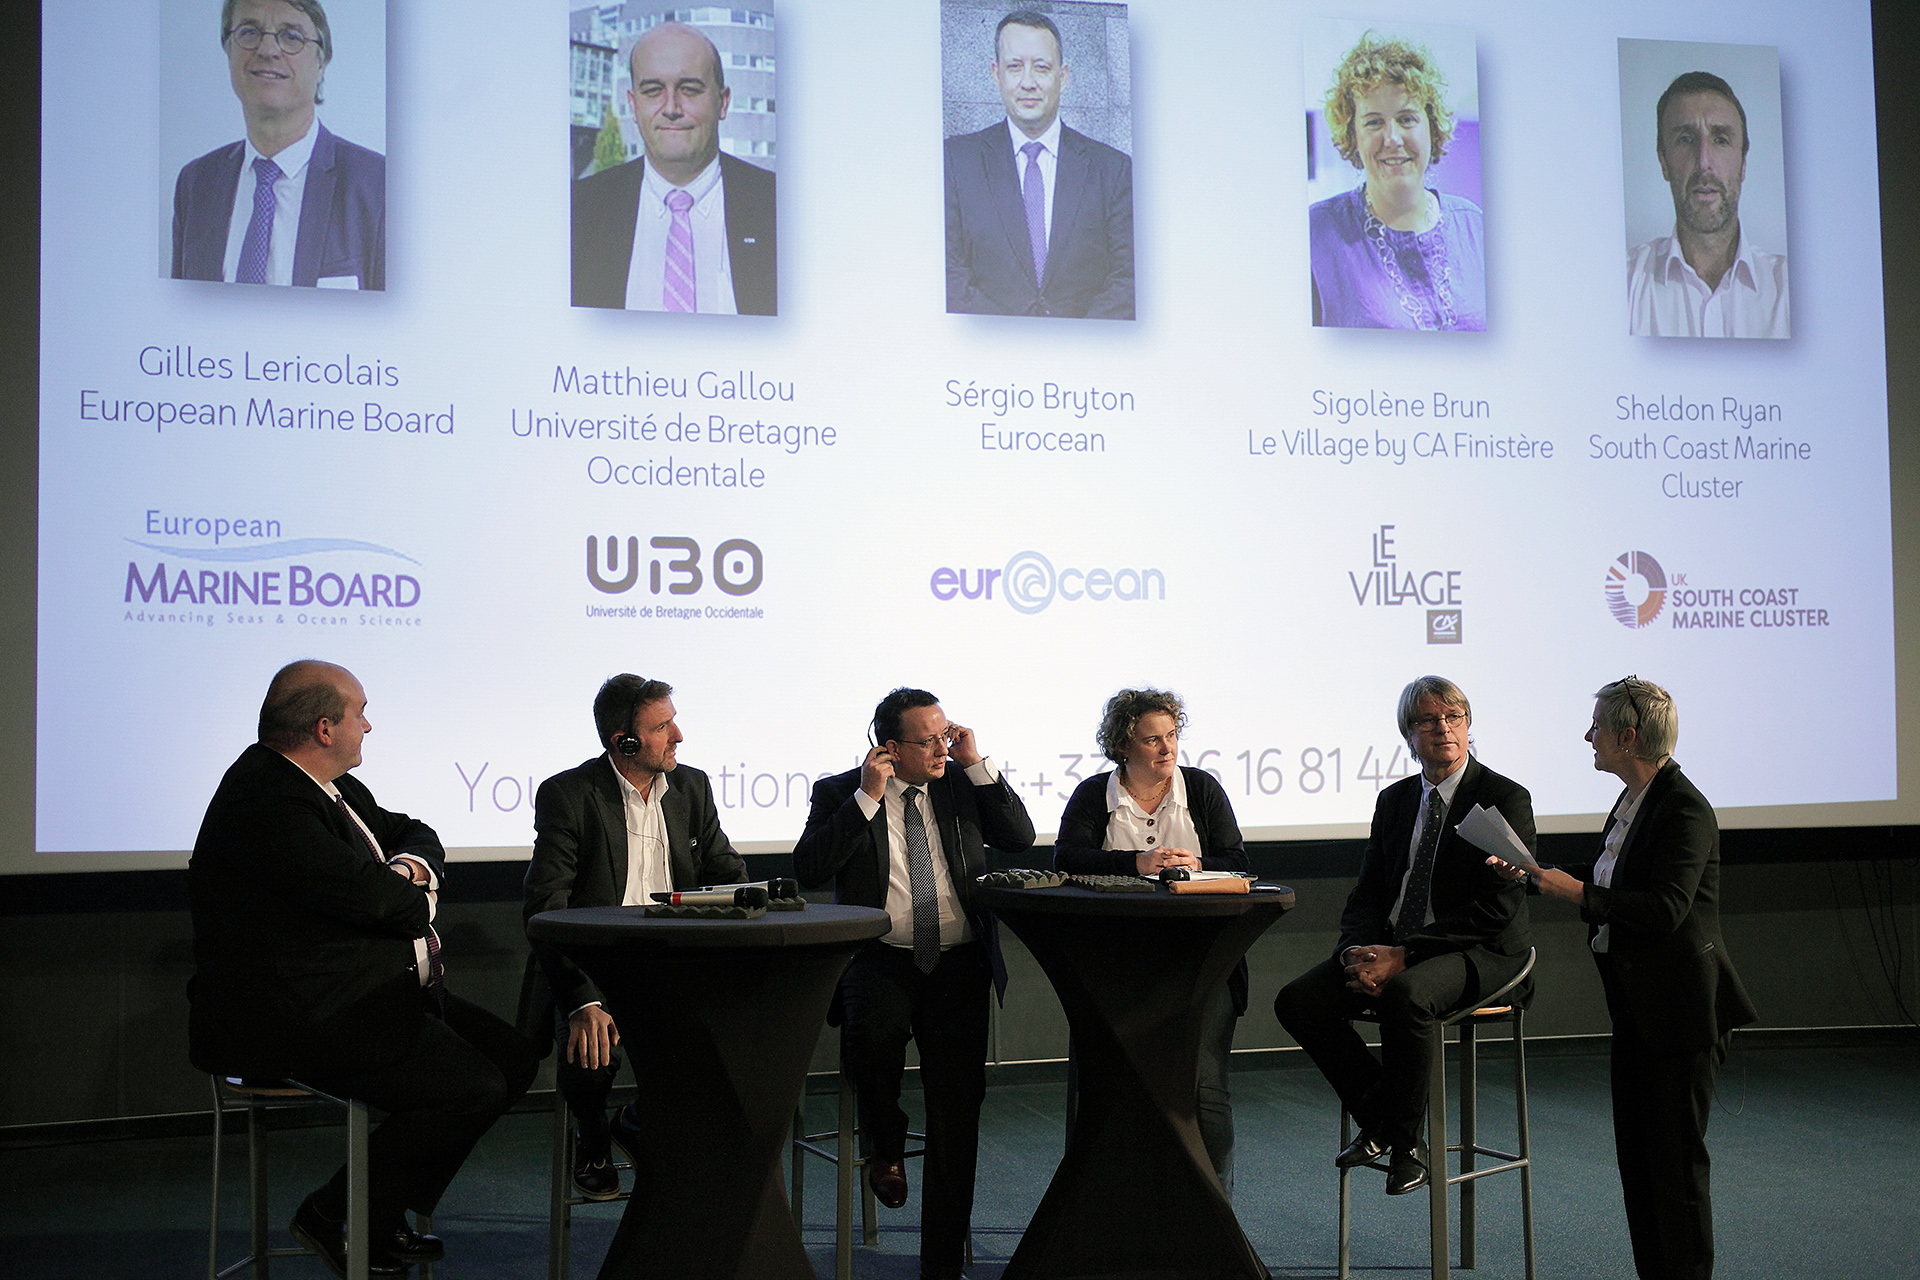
(580, 860)
(842, 844)
(606, 205)
(989, 254)
(302, 941)
(1475, 909)
(1664, 908)
(1083, 829)
(343, 214)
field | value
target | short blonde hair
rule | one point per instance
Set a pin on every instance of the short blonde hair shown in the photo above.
(1378, 60)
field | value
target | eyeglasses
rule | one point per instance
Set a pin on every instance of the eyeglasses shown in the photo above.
(1626, 685)
(925, 744)
(1427, 724)
(290, 39)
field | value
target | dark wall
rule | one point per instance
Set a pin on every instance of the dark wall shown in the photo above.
(94, 968)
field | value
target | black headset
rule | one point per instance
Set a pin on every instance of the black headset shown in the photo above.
(626, 744)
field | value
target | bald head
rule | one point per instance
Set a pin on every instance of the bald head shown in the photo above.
(679, 97)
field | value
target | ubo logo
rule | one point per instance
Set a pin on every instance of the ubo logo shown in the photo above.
(737, 566)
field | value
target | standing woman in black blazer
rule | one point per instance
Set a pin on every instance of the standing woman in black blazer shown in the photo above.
(1149, 814)
(1651, 901)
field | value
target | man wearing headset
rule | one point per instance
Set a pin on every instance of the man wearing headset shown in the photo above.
(607, 833)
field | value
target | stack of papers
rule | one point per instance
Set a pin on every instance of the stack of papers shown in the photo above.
(1486, 829)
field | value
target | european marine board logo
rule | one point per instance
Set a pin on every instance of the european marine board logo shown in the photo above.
(211, 575)
(1029, 583)
(1621, 590)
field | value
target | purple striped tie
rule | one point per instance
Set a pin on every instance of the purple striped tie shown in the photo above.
(254, 249)
(679, 293)
(1034, 195)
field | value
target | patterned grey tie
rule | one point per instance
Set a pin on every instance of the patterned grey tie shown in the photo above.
(1413, 908)
(926, 903)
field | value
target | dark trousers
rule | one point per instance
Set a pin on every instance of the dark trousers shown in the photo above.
(461, 1074)
(1388, 1095)
(885, 1000)
(1661, 1105)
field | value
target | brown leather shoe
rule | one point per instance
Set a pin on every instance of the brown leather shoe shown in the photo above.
(888, 1178)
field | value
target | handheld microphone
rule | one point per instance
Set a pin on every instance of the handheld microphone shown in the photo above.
(750, 895)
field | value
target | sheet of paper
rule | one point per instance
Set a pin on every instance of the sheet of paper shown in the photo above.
(1488, 830)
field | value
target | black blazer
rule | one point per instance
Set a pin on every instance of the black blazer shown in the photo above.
(1663, 907)
(1083, 829)
(842, 844)
(580, 860)
(302, 941)
(990, 254)
(1475, 909)
(343, 214)
(606, 205)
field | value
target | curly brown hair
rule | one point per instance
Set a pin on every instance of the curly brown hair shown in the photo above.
(1379, 60)
(1124, 712)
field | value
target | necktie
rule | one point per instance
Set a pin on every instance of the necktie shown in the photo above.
(1033, 194)
(926, 904)
(436, 972)
(678, 293)
(253, 250)
(1413, 908)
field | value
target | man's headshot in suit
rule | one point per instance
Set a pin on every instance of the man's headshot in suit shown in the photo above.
(290, 203)
(685, 227)
(1039, 216)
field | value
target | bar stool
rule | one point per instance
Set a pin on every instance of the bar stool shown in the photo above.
(1488, 1011)
(848, 1163)
(563, 1197)
(258, 1096)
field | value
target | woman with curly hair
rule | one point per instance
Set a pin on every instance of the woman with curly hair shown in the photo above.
(1392, 253)
(1147, 814)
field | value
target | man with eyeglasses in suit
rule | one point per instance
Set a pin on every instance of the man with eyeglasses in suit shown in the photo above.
(1429, 928)
(289, 204)
(906, 832)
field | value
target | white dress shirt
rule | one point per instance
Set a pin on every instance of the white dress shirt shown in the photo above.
(954, 928)
(648, 872)
(1048, 160)
(712, 259)
(289, 192)
(1446, 787)
(1623, 815)
(1666, 298)
(1169, 826)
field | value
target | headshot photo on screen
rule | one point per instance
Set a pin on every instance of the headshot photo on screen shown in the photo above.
(672, 158)
(1705, 188)
(1037, 109)
(1393, 176)
(300, 198)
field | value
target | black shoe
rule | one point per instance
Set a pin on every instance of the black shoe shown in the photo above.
(404, 1244)
(327, 1240)
(888, 1178)
(1364, 1149)
(596, 1179)
(1405, 1174)
(627, 1137)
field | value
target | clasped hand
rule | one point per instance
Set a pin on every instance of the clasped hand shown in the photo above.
(1372, 967)
(1153, 861)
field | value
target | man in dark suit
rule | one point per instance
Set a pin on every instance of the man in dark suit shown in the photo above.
(684, 228)
(907, 833)
(315, 959)
(1428, 928)
(290, 203)
(1039, 216)
(608, 833)
(1651, 901)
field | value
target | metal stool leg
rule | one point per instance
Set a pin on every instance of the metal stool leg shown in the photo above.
(1437, 1156)
(1469, 1134)
(425, 1228)
(1346, 1195)
(559, 1195)
(1526, 1145)
(356, 1189)
(846, 1169)
(257, 1243)
(213, 1222)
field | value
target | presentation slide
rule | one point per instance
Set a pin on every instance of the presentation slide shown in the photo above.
(1272, 353)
